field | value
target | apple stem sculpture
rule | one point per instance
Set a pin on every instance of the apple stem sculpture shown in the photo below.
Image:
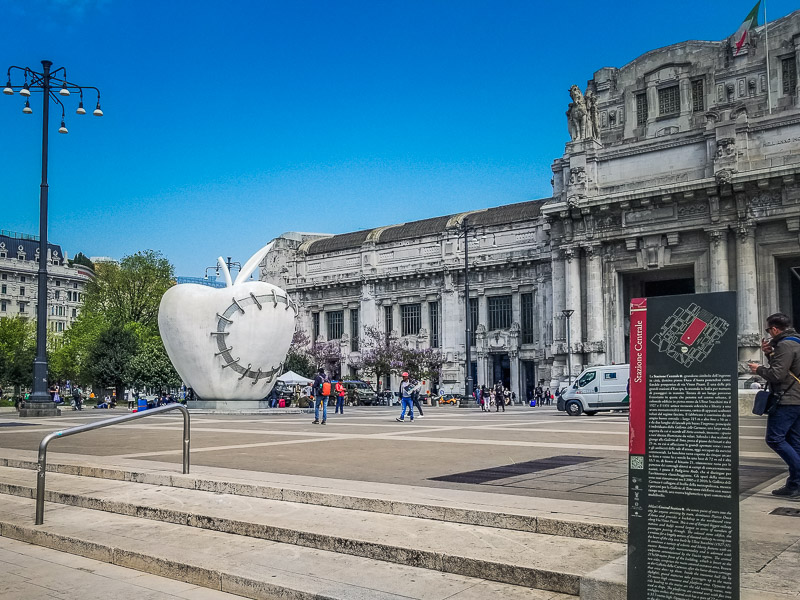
(203, 327)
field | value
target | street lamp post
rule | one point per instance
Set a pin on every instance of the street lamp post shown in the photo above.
(221, 264)
(40, 403)
(465, 229)
(567, 314)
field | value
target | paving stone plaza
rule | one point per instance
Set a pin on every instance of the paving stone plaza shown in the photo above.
(458, 504)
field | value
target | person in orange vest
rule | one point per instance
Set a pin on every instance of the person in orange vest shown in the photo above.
(339, 398)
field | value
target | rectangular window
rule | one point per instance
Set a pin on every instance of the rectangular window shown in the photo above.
(669, 100)
(789, 75)
(698, 100)
(528, 322)
(60, 326)
(3, 306)
(335, 321)
(75, 286)
(22, 306)
(22, 279)
(410, 319)
(314, 326)
(57, 295)
(58, 283)
(388, 320)
(3, 289)
(433, 325)
(641, 108)
(473, 316)
(4, 277)
(22, 290)
(354, 329)
(74, 313)
(499, 312)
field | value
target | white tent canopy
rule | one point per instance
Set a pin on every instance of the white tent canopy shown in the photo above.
(292, 378)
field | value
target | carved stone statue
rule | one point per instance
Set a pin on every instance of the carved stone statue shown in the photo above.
(577, 114)
(593, 116)
(583, 117)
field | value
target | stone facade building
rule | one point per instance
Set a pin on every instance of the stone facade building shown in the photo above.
(683, 175)
(19, 275)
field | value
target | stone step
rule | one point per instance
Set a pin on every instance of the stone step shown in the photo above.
(248, 567)
(534, 560)
(577, 519)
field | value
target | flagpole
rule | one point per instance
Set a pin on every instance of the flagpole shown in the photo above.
(766, 45)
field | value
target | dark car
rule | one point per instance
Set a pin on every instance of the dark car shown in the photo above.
(359, 393)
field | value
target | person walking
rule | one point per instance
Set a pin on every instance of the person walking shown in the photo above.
(783, 421)
(415, 398)
(340, 392)
(320, 398)
(406, 389)
(77, 398)
(499, 397)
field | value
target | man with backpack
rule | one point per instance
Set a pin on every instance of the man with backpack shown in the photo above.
(322, 391)
(77, 398)
(783, 421)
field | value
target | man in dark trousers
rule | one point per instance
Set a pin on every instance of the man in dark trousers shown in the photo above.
(319, 380)
(783, 421)
(499, 397)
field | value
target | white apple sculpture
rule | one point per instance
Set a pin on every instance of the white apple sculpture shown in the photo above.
(228, 343)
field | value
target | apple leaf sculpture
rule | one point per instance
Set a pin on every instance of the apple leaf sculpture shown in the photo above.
(228, 343)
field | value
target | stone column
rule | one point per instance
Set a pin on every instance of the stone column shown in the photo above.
(718, 259)
(595, 308)
(749, 327)
(572, 292)
(514, 384)
(556, 319)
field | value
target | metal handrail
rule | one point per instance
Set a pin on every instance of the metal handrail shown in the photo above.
(42, 468)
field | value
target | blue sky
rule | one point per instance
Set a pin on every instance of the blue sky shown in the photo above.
(227, 124)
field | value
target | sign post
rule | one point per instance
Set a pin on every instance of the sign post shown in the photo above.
(683, 471)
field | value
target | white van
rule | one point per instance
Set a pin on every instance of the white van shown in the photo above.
(596, 389)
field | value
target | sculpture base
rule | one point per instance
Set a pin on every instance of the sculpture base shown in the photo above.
(228, 405)
(39, 411)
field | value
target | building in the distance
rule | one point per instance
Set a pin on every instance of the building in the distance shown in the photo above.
(682, 176)
(19, 276)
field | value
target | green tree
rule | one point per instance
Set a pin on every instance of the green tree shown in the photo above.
(150, 367)
(131, 291)
(110, 358)
(17, 352)
(116, 337)
(81, 259)
(70, 360)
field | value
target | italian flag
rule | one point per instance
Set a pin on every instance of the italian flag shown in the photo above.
(750, 22)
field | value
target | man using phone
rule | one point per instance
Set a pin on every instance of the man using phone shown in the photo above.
(783, 422)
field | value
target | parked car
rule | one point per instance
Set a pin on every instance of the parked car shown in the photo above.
(388, 398)
(359, 393)
(449, 398)
(597, 389)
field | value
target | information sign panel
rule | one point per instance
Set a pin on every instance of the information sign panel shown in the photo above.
(683, 499)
